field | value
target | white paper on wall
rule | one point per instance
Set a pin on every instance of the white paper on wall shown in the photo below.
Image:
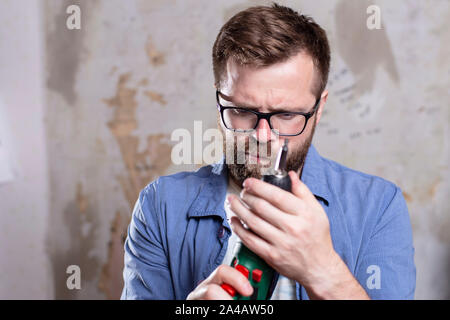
(6, 172)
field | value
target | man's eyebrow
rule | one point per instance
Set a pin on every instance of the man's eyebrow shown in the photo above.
(251, 107)
(269, 108)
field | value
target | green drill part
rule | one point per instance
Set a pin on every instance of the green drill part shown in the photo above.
(257, 271)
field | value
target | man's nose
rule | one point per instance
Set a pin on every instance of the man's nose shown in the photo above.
(263, 133)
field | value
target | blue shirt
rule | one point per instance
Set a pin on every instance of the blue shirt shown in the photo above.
(178, 233)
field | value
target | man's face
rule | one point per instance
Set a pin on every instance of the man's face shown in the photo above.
(284, 86)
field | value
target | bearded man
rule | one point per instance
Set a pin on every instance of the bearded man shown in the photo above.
(340, 234)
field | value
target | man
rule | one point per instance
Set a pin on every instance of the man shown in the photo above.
(340, 234)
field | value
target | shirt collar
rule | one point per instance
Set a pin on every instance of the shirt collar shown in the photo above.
(212, 193)
(313, 175)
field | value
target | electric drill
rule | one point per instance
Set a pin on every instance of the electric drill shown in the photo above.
(255, 269)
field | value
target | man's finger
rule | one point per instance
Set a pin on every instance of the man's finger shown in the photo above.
(256, 223)
(264, 209)
(283, 200)
(256, 244)
(209, 292)
(234, 278)
(298, 188)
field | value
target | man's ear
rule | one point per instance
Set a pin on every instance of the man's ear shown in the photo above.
(323, 100)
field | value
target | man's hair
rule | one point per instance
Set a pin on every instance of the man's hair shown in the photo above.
(262, 36)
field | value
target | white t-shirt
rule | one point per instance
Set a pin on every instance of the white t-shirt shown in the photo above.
(285, 288)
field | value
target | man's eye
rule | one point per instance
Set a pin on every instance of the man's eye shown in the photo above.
(286, 116)
(240, 112)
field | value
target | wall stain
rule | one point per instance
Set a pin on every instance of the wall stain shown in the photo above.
(143, 82)
(100, 146)
(155, 57)
(80, 223)
(433, 188)
(114, 264)
(155, 96)
(426, 194)
(65, 48)
(407, 197)
(363, 50)
(113, 70)
(141, 167)
(82, 200)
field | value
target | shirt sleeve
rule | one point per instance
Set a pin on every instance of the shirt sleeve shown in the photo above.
(386, 268)
(146, 273)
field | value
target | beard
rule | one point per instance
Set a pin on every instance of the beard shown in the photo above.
(240, 168)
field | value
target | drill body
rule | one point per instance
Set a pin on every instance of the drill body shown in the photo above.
(257, 271)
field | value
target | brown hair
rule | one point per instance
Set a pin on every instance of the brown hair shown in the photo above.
(262, 36)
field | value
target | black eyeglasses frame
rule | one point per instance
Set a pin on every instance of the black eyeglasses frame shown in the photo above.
(266, 115)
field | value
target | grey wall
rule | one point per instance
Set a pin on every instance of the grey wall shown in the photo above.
(90, 112)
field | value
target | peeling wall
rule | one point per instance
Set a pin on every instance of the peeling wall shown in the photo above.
(138, 69)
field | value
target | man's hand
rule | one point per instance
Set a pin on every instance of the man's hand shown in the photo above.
(291, 232)
(210, 288)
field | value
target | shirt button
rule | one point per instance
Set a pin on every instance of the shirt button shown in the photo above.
(221, 232)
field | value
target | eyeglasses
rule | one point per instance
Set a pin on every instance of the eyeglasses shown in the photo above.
(283, 123)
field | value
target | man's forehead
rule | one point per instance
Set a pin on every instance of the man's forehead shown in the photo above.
(274, 87)
(288, 82)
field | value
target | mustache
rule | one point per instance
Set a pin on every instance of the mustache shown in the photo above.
(254, 147)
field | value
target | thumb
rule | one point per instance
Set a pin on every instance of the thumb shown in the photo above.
(298, 188)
